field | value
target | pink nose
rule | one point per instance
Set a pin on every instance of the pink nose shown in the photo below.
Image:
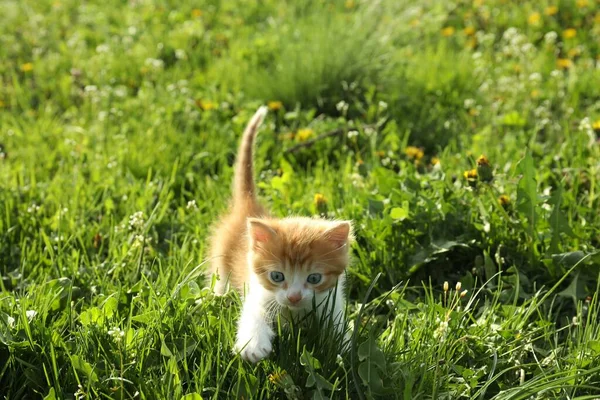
(294, 297)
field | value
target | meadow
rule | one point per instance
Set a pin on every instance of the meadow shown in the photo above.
(462, 138)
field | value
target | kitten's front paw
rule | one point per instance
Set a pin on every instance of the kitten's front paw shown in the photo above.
(255, 349)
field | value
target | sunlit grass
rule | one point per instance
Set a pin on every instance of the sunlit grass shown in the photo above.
(461, 140)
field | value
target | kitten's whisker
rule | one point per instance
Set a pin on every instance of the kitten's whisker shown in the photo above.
(271, 310)
(334, 250)
(271, 253)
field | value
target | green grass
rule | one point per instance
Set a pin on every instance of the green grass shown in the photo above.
(118, 128)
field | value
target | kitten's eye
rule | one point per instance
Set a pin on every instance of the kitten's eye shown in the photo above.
(314, 278)
(277, 276)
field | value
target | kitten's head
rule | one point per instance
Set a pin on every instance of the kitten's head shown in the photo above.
(298, 258)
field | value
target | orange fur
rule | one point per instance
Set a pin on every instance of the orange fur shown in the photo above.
(296, 242)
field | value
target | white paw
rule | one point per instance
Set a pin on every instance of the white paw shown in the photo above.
(255, 348)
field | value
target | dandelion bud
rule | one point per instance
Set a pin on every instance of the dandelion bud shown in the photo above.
(458, 286)
(320, 202)
(463, 293)
(446, 286)
(484, 169)
(504, 201)
(471, 177)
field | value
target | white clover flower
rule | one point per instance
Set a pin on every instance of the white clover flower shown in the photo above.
(34, 208)
(357, 180)
(10, 321)
(510, 33)
(386, 161)
(116, 333)
(79, 394)
(551, 37)
(155, 63)
(103, 48)
(585, 125)
(527, 48)
(191, 205)
(136, 221)
(120, 91)
(138, 240)
(383, 105)
(535, 77)
(180, 54)
(342, 106)
(469, 103)
(352, 134)
(30, 314)
(441, 331)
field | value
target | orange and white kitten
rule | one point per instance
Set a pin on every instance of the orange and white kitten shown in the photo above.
(276, 264)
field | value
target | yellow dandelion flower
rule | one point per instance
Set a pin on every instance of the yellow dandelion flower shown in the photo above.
(477, 3)
(470, 174)
(206, 105)
(414, 152)
(196, 13)
(534, 18)
(596, 125)
(472, 42)
(569, 33)
(275, 105)
(551, 10)
(349, 4)
(27, 67)
(583, 3)
(304, 134)
(277, 377)
(319, 200)
(504, 200)
(448, 31)
(380, 153)
(469, 31)
(483, 160)
(435, 161)
(535, 94)
(573, 52)
(564, 63)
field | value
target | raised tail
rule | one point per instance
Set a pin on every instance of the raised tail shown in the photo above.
(243, 185)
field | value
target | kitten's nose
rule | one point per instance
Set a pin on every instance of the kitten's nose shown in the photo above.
(294, 297)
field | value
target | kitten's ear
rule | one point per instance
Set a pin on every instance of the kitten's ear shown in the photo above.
(339, 234)
(260, 232)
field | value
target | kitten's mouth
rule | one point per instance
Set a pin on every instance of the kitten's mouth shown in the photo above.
(295, 307)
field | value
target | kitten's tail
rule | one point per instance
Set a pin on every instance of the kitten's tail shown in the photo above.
(243, 186)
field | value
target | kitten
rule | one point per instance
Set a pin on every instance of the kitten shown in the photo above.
(276, 264)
